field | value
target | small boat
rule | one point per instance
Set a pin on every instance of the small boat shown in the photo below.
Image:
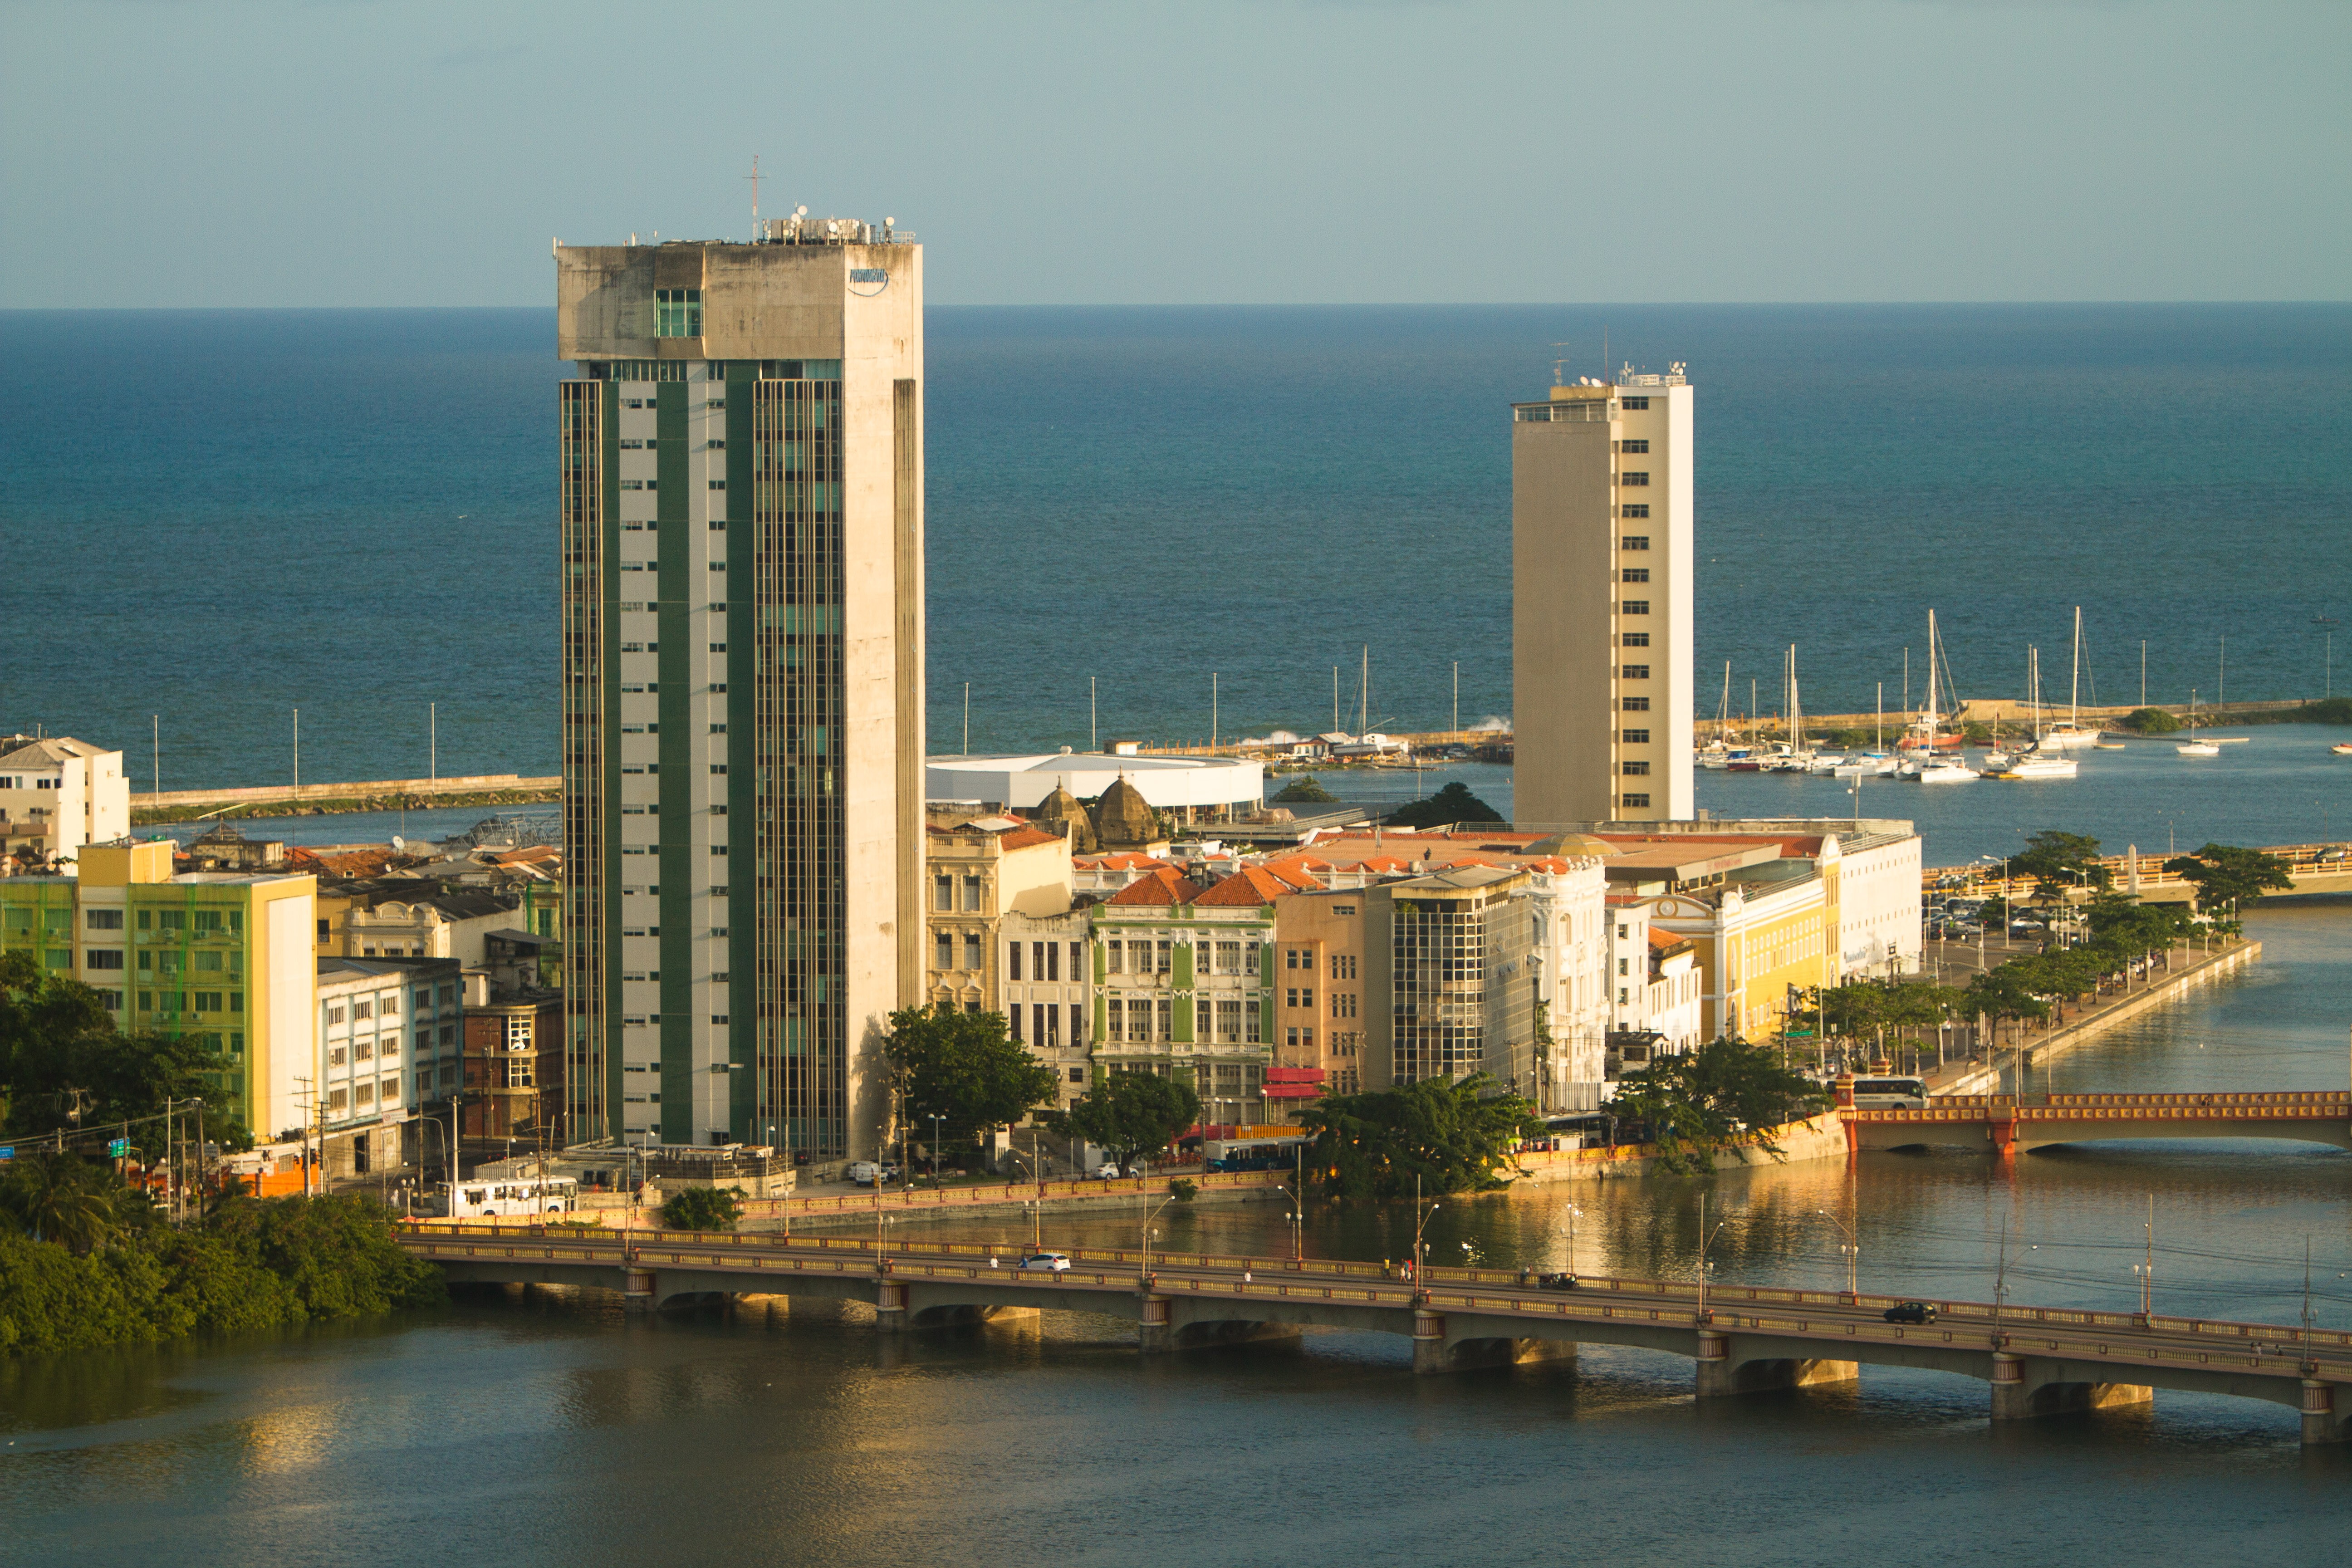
(2193, 747)
(2038, 766)
(1827, 764)
(2108, 746)
(1942, 769)
(2342, 748)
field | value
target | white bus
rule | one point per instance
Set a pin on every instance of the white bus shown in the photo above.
(1890, 1094)
(517, 1196)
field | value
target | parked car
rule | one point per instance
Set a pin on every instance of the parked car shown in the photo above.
(1045, 1262)
(1910, 1313)
(1107, 1171)
(864, 1172)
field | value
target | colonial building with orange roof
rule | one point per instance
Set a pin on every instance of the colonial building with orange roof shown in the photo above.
(1183, 986)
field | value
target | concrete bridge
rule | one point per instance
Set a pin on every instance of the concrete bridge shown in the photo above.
(2037, 1361)
(2003, 1124)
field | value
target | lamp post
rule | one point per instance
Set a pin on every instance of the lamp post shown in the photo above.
(1572, 1213)
(1705, 1240)
(1148, 1233)
(937, 1119)
(1297, 1247)
(1419, 1253)
(1852, 1249)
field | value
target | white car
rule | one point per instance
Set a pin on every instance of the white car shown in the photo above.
(1045, 1262)
(1106, 1172)
(866, 1173)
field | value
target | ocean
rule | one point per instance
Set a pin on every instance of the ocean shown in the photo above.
(214, 519)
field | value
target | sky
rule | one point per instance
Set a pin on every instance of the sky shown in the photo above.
(154, 152)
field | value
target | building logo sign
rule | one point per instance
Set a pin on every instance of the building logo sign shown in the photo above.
(868, 281)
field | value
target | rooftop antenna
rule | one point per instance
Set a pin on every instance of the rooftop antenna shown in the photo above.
(1604, 353)
(754, 177)
(1558, 377)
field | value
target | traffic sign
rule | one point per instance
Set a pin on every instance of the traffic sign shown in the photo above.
(8, 1151)
(117, 1148)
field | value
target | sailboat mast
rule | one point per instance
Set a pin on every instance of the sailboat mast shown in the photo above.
(1930, 715)
(2074, 701)
(1364, 694)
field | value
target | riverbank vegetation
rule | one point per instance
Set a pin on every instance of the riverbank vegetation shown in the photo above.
(86, 1261)
(1433, 1136)
(1725, 1092)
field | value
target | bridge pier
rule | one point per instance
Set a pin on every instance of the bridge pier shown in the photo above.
(2323, 1420)
(1159, 1329)
(1722, 1374)
(1438, 1347)
(890, 1307)
(2017, 1397)
(636, 1291)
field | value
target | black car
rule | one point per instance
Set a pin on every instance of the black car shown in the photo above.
(1910, 1313)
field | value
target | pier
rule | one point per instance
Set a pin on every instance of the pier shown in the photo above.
(2035, 1361)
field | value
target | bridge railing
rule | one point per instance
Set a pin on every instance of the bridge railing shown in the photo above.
(2239, 1106)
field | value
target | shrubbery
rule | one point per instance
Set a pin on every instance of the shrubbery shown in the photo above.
(253, 1265)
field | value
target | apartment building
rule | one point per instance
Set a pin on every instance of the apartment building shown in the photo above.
(1044, 991)
(1601, 576)
(388, 1048)
(741, 481)
(58, 794)
(977, 871)
(1183, 986)
(224, 956)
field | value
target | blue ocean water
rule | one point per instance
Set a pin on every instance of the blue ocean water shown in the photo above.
(215, 517)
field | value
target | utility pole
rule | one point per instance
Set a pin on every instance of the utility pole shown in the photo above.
(967, 720)
(1458, 696)
(298, 748)
(1212, 709)
(2146, 1272)
(433, 740)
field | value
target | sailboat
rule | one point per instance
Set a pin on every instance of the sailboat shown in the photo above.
(2193, 747)
(1719, 753)
(1930, 767)
(2040, 762)
(2070, 735)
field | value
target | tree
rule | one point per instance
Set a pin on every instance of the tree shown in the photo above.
(2002, 992)
(1453, 803)
(63, 1062)
(2150, 721)
(703, 1208)
(1130, 1113)
(61, 1197)
(1694, 1104)
(1305, 787)
(1452, 1136)
(963, 1067)
(2225, 874)
(2057, 862)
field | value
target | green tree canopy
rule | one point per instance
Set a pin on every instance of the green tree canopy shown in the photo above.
(1695, 1103)
(1453, 803)
(2223, 873)
(1453, 1136)
(2150, 721)
(702, 1208)
(2058, 861)
(64, 1064)
(1304, 787)
(1130, 1114)
(964, 1068)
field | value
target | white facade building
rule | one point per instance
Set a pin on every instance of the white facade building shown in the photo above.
(61, 793)
(1194, 786)
(390, 1040)
(1879, 909)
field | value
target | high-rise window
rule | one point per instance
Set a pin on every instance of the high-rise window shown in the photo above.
(1637, 737)
(677, 313)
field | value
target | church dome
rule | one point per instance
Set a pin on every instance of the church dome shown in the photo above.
(1060, 812)
(1123, 817)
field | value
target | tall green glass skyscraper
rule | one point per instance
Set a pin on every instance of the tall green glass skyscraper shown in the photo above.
(742, 520)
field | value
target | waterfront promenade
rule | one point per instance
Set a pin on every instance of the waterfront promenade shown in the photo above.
(1742, 1339)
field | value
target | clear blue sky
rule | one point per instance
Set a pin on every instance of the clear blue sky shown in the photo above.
(391, 153)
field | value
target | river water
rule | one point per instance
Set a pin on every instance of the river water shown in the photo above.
(545, 1428)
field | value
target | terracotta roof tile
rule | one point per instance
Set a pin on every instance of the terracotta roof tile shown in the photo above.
(1164, 889)
(1027, 838)
(1249, 887)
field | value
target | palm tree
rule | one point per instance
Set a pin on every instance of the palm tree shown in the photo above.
(54, 1198)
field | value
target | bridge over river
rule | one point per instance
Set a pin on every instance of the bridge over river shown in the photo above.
(1742, 1339)
(2005, 1123)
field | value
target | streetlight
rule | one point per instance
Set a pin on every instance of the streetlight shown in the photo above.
(1148, 1233)
(1297, 1244)
(937, 1117)
(1420, 1254)
(1853, 1249)
(1705, 1240)
(1572, 1213)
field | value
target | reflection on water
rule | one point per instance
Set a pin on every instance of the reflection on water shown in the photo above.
(539, 1425)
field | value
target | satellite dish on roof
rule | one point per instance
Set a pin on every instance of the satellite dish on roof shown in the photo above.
(398, 842)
